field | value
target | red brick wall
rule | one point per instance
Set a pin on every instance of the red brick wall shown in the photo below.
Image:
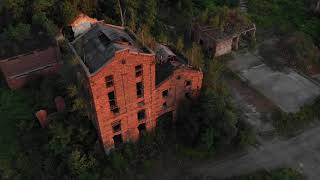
(176, 84)
(125, 91)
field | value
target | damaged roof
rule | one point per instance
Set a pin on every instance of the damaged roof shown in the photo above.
(21, 65)
(99, 45)
(217, 35)
(167, 62)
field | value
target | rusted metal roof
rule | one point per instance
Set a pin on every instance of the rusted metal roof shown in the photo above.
(167, 62)
(30, 62)
(163, 53)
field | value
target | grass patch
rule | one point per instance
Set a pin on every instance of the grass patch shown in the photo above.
(288, 124)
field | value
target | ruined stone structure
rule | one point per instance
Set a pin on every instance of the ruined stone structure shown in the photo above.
(18, 70)
(220, 43)
(128, 87)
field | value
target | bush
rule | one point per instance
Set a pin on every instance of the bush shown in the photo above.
(289, 123)
(195, 56)
(212, 123)
(19, 32)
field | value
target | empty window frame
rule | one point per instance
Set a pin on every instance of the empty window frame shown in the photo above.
(188, 95)
(113, 103)
(142, 129)
(141, 115)
(117, 139)
(139, 88)
(164, 105)
(139, 70)
(104, 39)
(188, 83)
(116, 127)
(109, 81)
(165, 93)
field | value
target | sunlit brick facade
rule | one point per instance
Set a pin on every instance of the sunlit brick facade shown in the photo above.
(127, 95)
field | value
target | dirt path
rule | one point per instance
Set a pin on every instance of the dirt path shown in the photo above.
(301, 153)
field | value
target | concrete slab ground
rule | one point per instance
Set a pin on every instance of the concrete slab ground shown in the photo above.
(300, 153)
(286, 89)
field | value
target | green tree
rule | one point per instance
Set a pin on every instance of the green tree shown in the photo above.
(80, 164)
(42, 6)
(208, 139)
(15, 7)
(67, 12)
(131, 13)
(195, 56)
(19, 32)
(148, 10)
(180, 44)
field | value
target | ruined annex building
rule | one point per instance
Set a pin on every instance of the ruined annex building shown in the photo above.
(37, 56)
(222, 42)
(130, 86)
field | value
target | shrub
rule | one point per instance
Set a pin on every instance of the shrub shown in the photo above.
(19, 32)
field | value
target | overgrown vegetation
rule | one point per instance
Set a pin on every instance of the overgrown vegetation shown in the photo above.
(69, 147)
(295, 50)
(224, 20)
(285, 16)
(299, 51)
(289, 123)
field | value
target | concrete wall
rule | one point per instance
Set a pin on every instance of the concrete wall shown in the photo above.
(223, 47)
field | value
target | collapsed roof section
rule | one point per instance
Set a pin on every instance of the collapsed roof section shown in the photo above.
(218, 36)
(99, 44)
(223, 23)
(167, 62)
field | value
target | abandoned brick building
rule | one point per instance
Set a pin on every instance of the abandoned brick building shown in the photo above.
(18, 69)
(220, 43)
(129, 86)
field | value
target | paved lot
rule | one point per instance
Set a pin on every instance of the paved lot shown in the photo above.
(288, 90)
(301, 153)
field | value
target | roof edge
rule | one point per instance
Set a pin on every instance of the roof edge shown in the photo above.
(111, 60)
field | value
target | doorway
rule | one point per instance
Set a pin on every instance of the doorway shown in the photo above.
(142, 129)
(117, 139)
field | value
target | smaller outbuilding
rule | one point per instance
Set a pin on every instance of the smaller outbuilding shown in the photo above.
(19, 69)
(221, 43)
